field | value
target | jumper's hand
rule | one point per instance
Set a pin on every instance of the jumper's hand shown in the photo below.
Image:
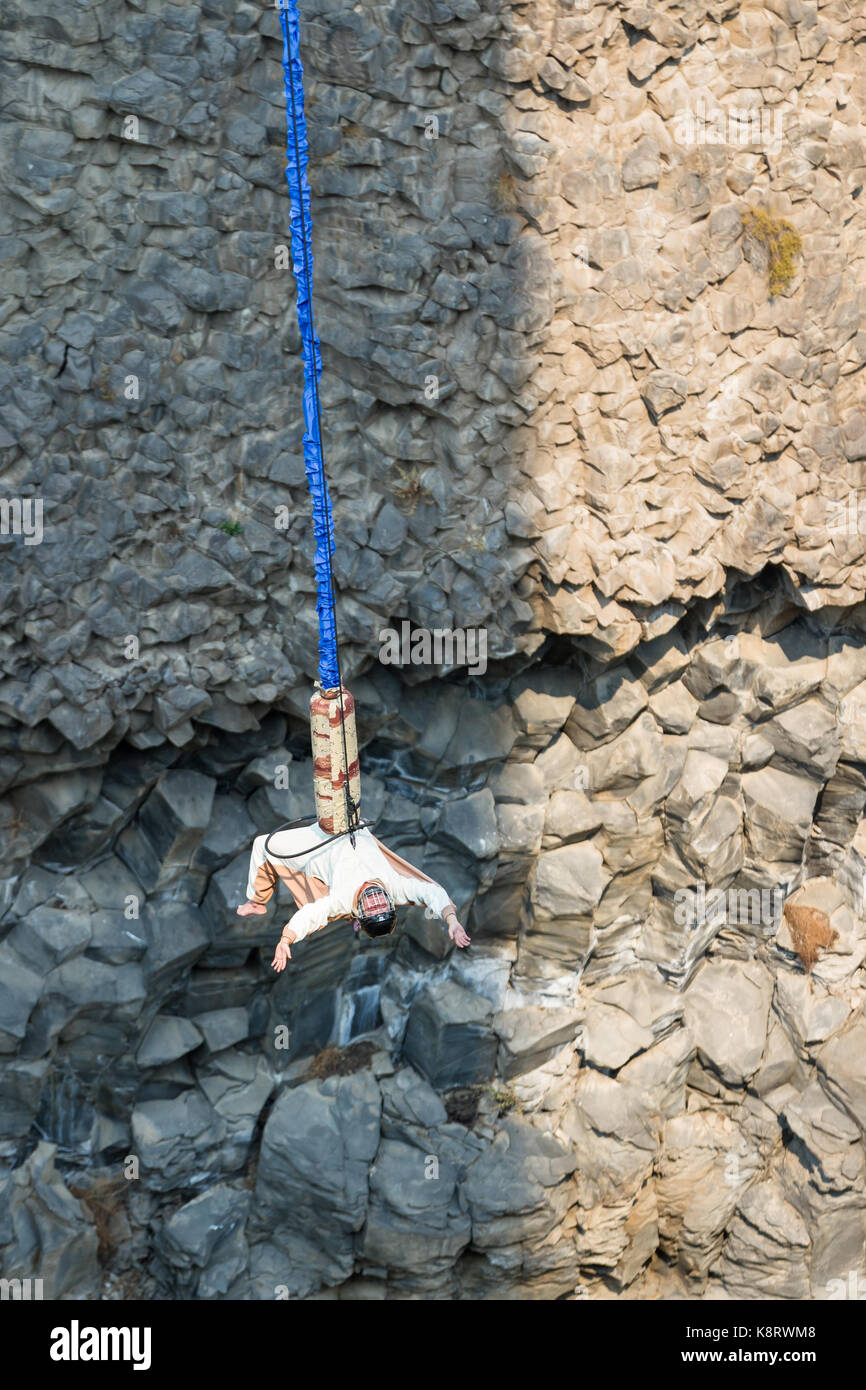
(456, 932)
(282, 955)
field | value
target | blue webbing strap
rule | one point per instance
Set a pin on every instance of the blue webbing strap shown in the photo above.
(302, 261)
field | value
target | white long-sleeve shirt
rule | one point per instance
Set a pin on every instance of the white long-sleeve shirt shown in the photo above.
(344, 869)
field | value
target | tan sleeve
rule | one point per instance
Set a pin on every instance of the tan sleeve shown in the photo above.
(407, 870)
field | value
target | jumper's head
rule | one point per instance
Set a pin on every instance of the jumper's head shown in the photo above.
(376, 914)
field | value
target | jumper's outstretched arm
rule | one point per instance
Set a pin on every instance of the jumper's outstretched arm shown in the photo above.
(455, 930)
(310, 918)
(283, 953)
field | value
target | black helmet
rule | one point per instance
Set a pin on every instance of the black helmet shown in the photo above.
(376, 913)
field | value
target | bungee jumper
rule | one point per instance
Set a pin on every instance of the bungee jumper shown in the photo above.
(331, 876)
(331, 863)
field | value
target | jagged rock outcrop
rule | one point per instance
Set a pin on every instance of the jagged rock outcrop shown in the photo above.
(658, 1042)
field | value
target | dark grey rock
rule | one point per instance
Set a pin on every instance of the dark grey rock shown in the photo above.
(518, 1189)
(115, 938)
(406, 1096)
(178, 1141)
(154, 305)
(414, 1222)
(174, 819)
(83, 838)
(449, 1038)
(223, 1028)
(203, 1242)
(47, 804)
(317, 1146)
(166, 1039)
(20, 1089)
(109, 884)
(229, 832)
(176, 935)
(48, 936)
(45, 1233)
(470, 824)
(238, 1086)
(20, 987)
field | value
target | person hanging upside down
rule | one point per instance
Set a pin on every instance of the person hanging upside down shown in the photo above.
(331, 878)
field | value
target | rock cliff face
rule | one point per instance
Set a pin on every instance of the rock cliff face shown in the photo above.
(562, 406)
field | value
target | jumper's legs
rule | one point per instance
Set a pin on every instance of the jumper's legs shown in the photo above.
(261, 882)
